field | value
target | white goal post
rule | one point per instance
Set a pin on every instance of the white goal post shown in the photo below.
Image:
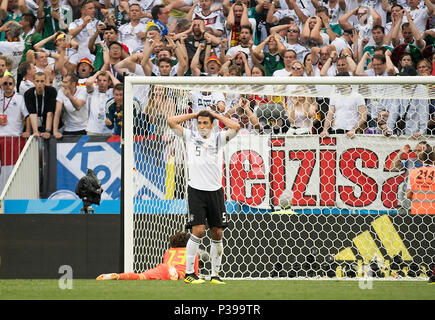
(345, 218)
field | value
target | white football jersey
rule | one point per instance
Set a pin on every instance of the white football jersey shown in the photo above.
(204, 159)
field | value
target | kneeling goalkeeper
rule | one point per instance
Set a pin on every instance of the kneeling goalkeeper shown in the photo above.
(173, 266)
(206, 204)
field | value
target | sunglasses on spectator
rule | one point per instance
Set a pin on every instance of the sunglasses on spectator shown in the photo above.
(297, 68)
(8, 83)
(293, 30)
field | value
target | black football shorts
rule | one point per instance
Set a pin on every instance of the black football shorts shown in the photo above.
(206, 208)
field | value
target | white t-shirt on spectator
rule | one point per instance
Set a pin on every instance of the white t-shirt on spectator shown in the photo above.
(128, 35)
(282, 13)
(97, 111)
(301, 51)
(83, 37)
(15, 110)
(231, 51)
(346, 110)
(75, 120)
(282, 73)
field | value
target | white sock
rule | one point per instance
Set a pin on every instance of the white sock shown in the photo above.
(191, 250)
(216, 252)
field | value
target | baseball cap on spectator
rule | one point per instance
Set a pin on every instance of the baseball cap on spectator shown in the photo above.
(214, 58)
(85, 60)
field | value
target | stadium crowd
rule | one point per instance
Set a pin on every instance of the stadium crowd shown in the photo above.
(63, 62)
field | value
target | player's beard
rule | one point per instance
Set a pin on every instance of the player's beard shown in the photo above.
(205, 133)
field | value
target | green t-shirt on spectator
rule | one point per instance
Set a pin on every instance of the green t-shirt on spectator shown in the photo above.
(272, 62)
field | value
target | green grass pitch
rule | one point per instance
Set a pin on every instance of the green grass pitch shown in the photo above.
(233, 290)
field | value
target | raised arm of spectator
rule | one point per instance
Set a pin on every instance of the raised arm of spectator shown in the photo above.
(91, 43)
(181, 54)
(189, 15)
(40, 17)
(40, 45)
(129, 63)
(343, 21)
(325, 20)
(377, 20)
(74, 32)
(194, 69)
(315, 33)
(146, 63)
(391, 70)
(430, 7)
(360, 67)
(90, 82)
(278, 28)
(270, 18)
(417, 35)
(258, 51)
(386, 6)
(315, 51)
(230, 18)
(332, 58)
(395, 29)
(292, 5)
(244, 20)
(23, 6)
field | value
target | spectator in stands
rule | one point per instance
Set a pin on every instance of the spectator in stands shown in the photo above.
(312, 36)
(419, 15)
(382, 125)
(71, 100)
(246, 45)
(348, 113)
(272, 58)
(110, 34)
(195, 36)
(424, 68)
(301, 111)
(27, 70)
(299, 14)
(40, 102)
(366, 18)
(242, 113)
(133, 33)
(416, 110)
(112, 57)
(97, 99)
(160, 15)
(13, 47)
(13, 111)
(82, 29)
(236, 19)
(342, 64)
(294, 42)
(409, 32)
(212, 18)
(319, 56)
(405, 61)
(165, 67)
(55, 17)
(289, 57)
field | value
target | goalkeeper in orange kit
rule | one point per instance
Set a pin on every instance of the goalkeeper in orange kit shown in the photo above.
(172, 268)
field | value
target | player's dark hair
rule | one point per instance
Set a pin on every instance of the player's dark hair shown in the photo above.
(205, 113)
(179, 239)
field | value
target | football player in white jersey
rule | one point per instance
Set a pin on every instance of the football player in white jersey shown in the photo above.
(205, 193)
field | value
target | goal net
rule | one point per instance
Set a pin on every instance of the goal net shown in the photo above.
(315, 182)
